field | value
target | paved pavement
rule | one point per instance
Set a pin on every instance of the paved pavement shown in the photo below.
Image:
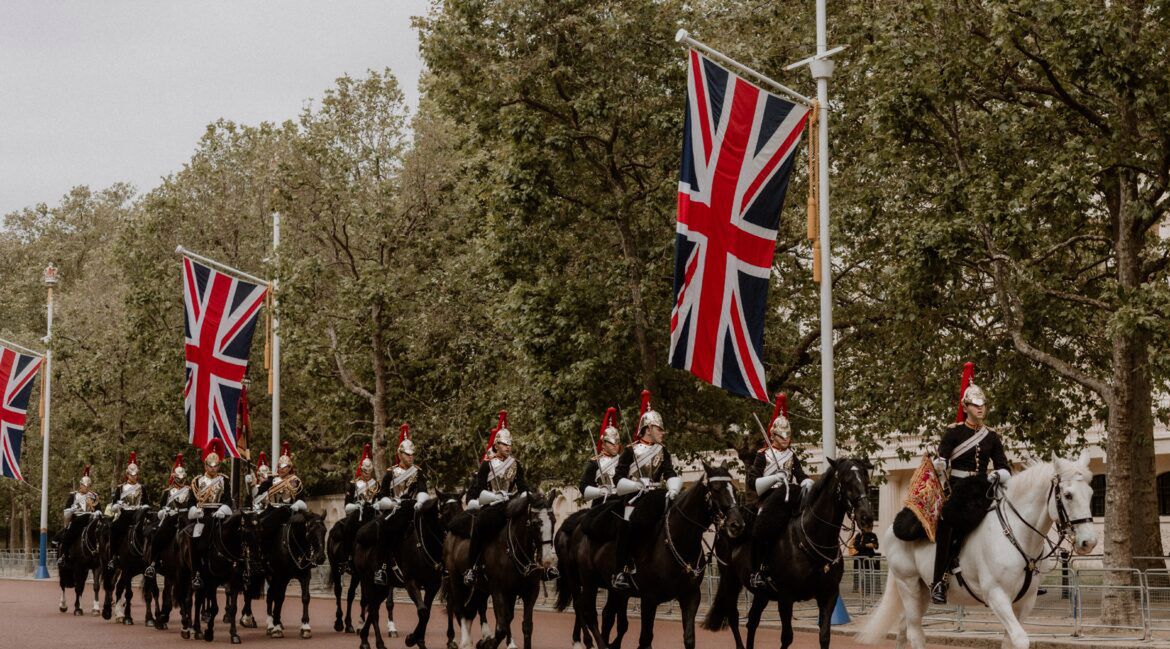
(29, 619)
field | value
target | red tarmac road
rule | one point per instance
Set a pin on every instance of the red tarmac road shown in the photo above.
(29, 619)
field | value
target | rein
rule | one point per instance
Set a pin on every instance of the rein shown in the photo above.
(530, 565)
(421, 542)
(818, 551)
(305, 560)
(1064, 527)
(700, 565)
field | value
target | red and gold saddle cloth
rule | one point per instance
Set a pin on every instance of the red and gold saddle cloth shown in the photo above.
(926, 496)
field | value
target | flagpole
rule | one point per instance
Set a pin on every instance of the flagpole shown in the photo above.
(50, 280)
(224, 267)
(275, 341)
(682, 36)
(822, 68)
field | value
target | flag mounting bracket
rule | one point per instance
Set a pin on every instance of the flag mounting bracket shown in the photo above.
(683, 37)
(810, 61)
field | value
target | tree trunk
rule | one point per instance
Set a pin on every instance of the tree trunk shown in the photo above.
(1131, 506)
(646, 355)
(12, 525)
(28, 544)
(378, 360)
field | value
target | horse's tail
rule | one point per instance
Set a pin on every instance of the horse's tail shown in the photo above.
(726, 600)
(884, 617)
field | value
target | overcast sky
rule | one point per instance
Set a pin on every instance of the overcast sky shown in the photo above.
(99, 92)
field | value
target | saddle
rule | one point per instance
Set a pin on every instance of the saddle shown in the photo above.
(462, 523)
(970, 501)
(603, 524)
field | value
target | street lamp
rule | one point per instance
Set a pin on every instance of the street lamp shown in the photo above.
(50, 279)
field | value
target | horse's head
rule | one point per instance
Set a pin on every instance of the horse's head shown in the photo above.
(1069, 505)
(449, 506)
(721, 499)
(542, 523)
(853, 488)
(315, 536)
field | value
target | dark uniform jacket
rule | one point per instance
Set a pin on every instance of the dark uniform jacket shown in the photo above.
(661, 469)
(419, 484)
(796, 474)
(482, 480)
(988, 451)
(594, 477)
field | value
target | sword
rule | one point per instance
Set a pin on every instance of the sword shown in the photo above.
(630, 443)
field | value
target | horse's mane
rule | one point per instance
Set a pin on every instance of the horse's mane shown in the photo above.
(1037, 476)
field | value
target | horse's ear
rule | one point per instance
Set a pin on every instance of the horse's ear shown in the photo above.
(832, 462)
(1083, 460)
(706, 467)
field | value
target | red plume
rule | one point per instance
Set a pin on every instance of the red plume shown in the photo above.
(284, 449)
(85, 471)
(645, 405)
(492, 436)
(781, 409)
(403, 433)
(178, 463)
(214, 445)
(133, 458)
(365, 454)
(968, 374)
(262, 459)
(608, 419)
(503, 420)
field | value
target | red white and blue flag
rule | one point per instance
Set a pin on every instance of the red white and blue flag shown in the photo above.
(17, 374)
(739, 144)
(220, 319)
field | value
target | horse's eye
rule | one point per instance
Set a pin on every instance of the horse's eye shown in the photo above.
(1067, 496)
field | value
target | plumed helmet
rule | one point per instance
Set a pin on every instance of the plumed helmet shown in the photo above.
(285, 458)
(609, 433)
(503, 435)
(213, 452)
(85, 479)
(178, 473)
(974, 395)
(365, 464)
(405, 444)
(132, 464)
(780, 426)
(968, 374)
(648, 415)
(262, 465)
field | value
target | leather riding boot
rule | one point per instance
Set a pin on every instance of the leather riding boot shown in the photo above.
(942, 562)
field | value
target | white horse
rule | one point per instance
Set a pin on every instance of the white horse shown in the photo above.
(994, 565)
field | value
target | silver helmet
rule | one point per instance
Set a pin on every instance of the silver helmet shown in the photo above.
(781, 428)
(85, 479)
(504, 436)
(406, 447)
(132, 465)
(974, 395)
(611, 435)
(285, 459)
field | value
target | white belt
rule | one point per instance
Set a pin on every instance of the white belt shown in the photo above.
(959, 473)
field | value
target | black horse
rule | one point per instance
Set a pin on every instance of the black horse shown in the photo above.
(166, 560)
(568, 587)
(805, 561)
(411, 559)
(221, 558)
(293, 551)
(130, 560)
(670, 563)
(339, 556)
(514, 564)
(86, 548)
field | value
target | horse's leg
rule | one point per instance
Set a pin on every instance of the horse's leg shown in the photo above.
(826, 602)
(231, 600)
(104, 608)
(126, 590)
(915, 599)
(306, 630)
(733, 624)
(335, 575)
(689, 607)
(785, 610)
(391, 628)
(372, 616)
(212, 610)
(759, 603)
(278, 607)
(585, 608)
(1015, 637)
(526, 623)
(422, 602)
(622, 614)
(78, 588)
(646, 637)
(353, 583)
(164, 611)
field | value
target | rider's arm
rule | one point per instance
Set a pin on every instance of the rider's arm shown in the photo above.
(69, 500)
(521, 484)
(756, 470)
(950, 440)
(350, 493)
(623, 466)
(998, 456)
(667, 465)
(798, 473)
(420, 482)
(227, 491)
(116, 495)
(589, 478)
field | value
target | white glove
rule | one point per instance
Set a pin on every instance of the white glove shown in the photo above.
(1000, 476)
(223, 512)
(353, 507)
(420, 498)
(68, 513)
(300, 506)
(940, 465)
(805, 485)
(593, 493)
(162, 514)
(472, 505)
(385, 504)
(194, 514)
(767, 482)
(248, 478)
(627, 486)
(673, 486)
(488, 497)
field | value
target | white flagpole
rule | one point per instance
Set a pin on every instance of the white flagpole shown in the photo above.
(275, 344)
(685, 38)
(822, 68)
(50, 279)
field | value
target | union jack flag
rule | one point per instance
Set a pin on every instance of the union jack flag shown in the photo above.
(220, 318)
(17, 372)
(739, 143)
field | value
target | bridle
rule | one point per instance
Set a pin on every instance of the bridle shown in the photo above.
(525, 565)
(421, 537)
(302, 558)
(832, 554)
(713, 511)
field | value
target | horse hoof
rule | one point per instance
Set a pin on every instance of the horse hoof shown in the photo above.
(278, 633)
(185, 634)
(209, 636)
(306, 634)
(248, 622)
(235, 639)
(338, 626)
(392, 634)
(62, 608)
(227, 618)
(127, 621)
(364, 645)
(410, 641)
(451, 644)
(161, 626)
(349, 628)
(198, 635)
(78, 612)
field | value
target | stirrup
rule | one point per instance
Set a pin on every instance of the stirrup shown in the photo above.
(110, 564)
(938, 592)
(149, 572)
(380, 575)
(470, 576)
(761, 579)
(622, 580)
(196, 582)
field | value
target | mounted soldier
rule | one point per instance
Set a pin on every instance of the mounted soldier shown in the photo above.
(81, 506)
(642, 469)
(967, 449)
(780, 484)
(500, 477)
(597, 483)
(176, 498)
(125, 497)
(255, 479)
(404, 490)
(360, 497)
(213, 495)
(279, 495)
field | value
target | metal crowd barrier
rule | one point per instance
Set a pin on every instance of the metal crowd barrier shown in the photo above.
(18, 563)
